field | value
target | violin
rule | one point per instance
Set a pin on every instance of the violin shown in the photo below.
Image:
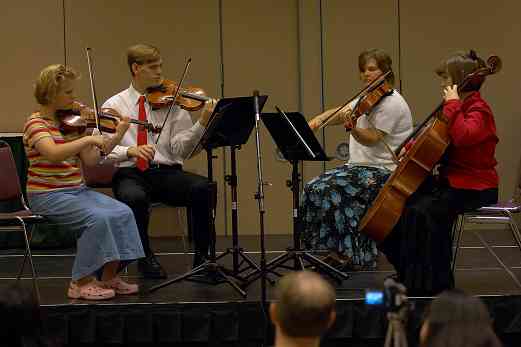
(188, 98)
(369, 101)
(80, 117)
(369, 96)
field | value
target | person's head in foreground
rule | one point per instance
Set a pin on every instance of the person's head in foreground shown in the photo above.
(304, 310)
(456, 319)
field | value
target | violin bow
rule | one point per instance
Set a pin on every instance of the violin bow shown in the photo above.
(93, 89)
(176, 94)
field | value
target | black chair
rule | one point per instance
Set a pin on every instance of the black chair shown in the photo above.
(14, 211)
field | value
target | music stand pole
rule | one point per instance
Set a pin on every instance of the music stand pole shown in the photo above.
(211, 210)
(259, 196)
(235, 217)
(294, 187)
(238, 254)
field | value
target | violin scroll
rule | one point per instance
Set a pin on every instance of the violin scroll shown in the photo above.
(477, 77)
(495, 64)
(492, 66)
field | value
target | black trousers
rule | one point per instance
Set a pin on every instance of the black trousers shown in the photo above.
(172, 186)
(420, 245)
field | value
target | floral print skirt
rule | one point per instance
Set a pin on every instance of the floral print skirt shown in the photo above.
(332, 206)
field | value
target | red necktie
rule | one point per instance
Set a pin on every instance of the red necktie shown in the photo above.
(141, 163)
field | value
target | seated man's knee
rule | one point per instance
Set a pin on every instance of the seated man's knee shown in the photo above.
(204, 193)
(132, 197)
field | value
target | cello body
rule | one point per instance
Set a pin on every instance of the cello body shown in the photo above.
(412, 170)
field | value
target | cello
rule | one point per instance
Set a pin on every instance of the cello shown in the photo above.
(431, 139)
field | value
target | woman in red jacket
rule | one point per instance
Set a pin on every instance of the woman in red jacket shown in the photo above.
(420, 245)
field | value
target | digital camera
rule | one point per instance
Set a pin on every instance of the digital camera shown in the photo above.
(393, 297)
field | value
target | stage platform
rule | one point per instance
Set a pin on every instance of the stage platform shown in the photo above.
(195, 314)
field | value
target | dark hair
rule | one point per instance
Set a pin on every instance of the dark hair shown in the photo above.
(383, 61)
(305, 304)
(456, 319)
(459, 65)
(22, 318)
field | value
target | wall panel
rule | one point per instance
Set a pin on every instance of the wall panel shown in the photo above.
(32, 37)
(311, 72)
(260, 40)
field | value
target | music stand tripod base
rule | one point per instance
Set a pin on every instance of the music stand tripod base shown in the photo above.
(296, 254)
(297, 143)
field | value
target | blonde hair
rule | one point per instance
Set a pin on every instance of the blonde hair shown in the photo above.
(50, 81)
(142, 54)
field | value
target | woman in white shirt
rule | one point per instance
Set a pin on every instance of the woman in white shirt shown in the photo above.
(334, 202)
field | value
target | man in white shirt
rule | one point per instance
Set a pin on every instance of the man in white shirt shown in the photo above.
(150, 172)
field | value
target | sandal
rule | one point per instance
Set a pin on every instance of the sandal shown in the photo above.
(120, 287)
(90, 291)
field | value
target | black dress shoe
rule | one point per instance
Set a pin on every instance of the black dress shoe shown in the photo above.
(150, 267)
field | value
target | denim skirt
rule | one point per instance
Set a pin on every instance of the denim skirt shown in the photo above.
(105, 228)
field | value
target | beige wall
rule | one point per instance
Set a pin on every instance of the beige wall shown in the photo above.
(29, 43)
(302, 53)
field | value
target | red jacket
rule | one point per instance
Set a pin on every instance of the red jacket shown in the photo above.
(470, 161)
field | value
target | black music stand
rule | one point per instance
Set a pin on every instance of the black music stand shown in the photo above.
(234, 130)
(296, 141)
(230, 124)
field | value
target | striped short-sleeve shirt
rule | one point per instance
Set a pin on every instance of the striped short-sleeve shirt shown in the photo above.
(45, 175)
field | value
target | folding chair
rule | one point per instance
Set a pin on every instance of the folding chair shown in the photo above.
(14, 210)
(500, 213)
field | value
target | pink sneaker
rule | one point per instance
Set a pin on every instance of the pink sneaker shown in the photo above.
(120, 287)
(90, 291)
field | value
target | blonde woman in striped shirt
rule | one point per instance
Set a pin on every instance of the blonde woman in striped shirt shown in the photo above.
(107, 233)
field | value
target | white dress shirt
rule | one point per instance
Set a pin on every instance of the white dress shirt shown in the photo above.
(178, 137)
